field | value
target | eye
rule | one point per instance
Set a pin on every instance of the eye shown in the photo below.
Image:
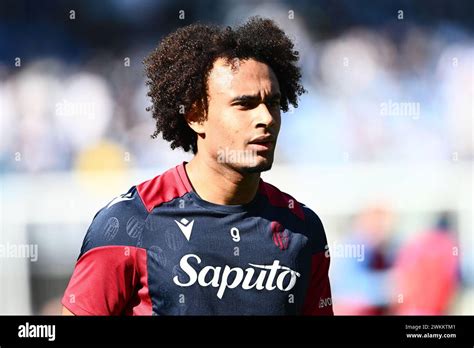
(245, 104)
(274, 103)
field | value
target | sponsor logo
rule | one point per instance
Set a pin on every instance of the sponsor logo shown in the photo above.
(269, 277)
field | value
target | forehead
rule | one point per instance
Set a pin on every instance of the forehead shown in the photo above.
(242, 77)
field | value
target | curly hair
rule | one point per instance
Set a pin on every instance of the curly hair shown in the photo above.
(178, 69)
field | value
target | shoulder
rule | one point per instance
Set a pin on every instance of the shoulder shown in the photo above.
(315, 230)
(163, 188)
(281, 199)
(312, 223)
(120, 222)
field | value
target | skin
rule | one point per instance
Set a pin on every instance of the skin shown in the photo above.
(243, 104)
(66, 311)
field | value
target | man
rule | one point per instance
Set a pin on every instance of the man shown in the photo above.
(210, 237)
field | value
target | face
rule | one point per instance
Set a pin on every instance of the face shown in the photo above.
(243, 119)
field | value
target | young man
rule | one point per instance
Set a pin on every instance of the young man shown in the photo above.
(210, 237)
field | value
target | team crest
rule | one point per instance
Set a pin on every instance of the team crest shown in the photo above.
(280, 235)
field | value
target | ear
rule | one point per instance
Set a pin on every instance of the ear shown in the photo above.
(196, 120)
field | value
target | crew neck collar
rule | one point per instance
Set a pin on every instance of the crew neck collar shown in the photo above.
(235, 208)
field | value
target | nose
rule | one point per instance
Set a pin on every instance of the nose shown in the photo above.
(264, 116)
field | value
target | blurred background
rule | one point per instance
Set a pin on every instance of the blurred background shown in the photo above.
(381, 146)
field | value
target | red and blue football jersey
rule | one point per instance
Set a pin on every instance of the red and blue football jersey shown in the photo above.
(160, 249)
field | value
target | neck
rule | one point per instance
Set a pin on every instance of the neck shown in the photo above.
(219, 184)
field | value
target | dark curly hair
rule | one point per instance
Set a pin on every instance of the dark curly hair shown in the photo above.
(178, 69)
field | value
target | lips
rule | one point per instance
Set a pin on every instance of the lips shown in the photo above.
(263, 139)
(262, 143)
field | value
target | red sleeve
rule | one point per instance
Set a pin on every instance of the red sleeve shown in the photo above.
(103, 281)
(318, 297)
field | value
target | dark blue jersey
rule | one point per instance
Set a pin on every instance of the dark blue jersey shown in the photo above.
(160, 249)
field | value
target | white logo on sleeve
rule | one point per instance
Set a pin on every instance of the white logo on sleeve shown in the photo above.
(124, 197)
(186, 227)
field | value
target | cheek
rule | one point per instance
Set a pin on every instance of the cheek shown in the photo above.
(225, 131)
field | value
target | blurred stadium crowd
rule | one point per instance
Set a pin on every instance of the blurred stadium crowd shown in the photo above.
(402, 92)
(384, 86)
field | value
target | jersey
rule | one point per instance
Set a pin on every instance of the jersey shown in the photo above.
(160, 249)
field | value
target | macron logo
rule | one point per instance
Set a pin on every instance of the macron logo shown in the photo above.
(186, 227)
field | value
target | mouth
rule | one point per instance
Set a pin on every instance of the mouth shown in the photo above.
(263, 143)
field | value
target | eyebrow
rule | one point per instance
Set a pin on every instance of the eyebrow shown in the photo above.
(255, 98)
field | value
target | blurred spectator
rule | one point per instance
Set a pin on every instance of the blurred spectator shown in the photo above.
(426, 272)
(360, 282)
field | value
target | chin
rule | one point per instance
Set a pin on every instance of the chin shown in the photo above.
(263, 165)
